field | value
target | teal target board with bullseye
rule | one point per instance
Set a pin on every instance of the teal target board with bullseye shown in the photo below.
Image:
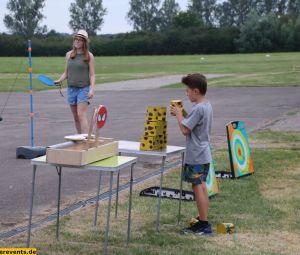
(239, 151)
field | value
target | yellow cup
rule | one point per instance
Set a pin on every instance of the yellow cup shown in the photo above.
(225, 228)
(177, 103)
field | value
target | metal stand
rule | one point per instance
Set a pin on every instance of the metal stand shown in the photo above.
(58, 200)
(181, 172)
(31, 206)
(30, 152)
(97, 202)
(108, 213)
(129, 206)
(117, 194)
(159, 195)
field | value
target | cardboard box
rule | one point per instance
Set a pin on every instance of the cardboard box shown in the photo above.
(81, 153)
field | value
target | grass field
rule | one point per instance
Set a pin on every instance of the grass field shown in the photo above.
(264, 207)
(277, 69)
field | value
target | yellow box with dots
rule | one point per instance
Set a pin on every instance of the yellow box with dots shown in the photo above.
(156, 113)
(154, 128)
(149, 143)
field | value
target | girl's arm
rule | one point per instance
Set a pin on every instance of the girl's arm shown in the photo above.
(65, 73)
(92, 76)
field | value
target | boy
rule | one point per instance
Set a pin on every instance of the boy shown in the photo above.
(197, 128)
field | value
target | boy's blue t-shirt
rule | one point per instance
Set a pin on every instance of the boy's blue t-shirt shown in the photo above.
(199, 121)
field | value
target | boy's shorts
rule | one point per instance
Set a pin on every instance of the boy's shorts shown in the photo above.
(195, 174)
(78, 95)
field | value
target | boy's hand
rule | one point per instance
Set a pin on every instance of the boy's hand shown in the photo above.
(175, 110)
(178, 112)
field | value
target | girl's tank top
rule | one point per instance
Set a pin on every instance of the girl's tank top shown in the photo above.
(78, 72)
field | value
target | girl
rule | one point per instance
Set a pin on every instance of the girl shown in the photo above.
(80, 74)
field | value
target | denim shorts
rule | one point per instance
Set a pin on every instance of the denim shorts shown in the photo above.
(78, 95)
(195, 174)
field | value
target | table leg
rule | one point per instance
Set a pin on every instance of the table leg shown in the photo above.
(180, 194)
(31, 205)
(117, 195)
(160, 188)
(130, 203)
(97, 202)
(59, 170)
(108, 213)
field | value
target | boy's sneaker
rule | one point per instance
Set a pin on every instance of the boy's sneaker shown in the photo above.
(198, 229)
(205, 231)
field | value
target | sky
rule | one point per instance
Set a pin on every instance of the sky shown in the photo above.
(57, 15)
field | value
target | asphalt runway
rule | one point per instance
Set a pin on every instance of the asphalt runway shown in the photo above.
(126, 114)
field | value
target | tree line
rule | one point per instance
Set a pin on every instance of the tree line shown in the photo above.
(25, 16)
(160, 27)
(158, 15)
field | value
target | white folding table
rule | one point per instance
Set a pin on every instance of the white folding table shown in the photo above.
(131, 147)
(112, 165)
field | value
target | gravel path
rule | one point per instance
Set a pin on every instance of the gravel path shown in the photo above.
(288, 122)
(147, 83)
